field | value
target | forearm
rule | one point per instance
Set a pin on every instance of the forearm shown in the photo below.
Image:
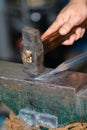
(79, 1)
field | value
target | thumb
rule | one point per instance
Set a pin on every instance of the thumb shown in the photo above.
(69, 25)
(54, 27)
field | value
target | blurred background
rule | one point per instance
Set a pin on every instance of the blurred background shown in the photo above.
(15, 14)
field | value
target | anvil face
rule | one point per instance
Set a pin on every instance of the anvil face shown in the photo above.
(63, 95)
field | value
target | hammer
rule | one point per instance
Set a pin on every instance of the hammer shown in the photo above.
(33, 49)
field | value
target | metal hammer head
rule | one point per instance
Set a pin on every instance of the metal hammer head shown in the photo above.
(32, 51)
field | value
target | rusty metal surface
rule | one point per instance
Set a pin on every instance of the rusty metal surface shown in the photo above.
(32, 51)
(63, 95)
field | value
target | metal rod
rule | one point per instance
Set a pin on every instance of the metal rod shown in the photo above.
(67, 65)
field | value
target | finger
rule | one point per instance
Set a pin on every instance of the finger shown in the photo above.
(79, 32)
(69, 25)
(70, 41)
(50, 30)
(83, 32)
(54, 27)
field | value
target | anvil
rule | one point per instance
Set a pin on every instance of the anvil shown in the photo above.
(63, 95)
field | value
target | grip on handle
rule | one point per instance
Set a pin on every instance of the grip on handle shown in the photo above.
(55, 39)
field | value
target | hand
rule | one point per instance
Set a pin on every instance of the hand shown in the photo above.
(73, 14)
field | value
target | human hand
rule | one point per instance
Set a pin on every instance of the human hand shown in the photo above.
(72, 15)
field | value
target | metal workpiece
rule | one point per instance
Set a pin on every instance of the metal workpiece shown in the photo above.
(81, 58)
(63, 95)
(32, 51)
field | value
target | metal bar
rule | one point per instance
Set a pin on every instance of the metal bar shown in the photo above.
(66, 65)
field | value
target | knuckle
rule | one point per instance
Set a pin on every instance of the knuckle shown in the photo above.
(78, 19)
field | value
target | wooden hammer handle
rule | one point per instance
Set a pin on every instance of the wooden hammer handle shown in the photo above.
(53, 40)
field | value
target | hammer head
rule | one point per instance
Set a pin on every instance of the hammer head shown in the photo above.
(32, 51)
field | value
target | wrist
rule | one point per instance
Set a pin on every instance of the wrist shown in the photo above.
(79, 1)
